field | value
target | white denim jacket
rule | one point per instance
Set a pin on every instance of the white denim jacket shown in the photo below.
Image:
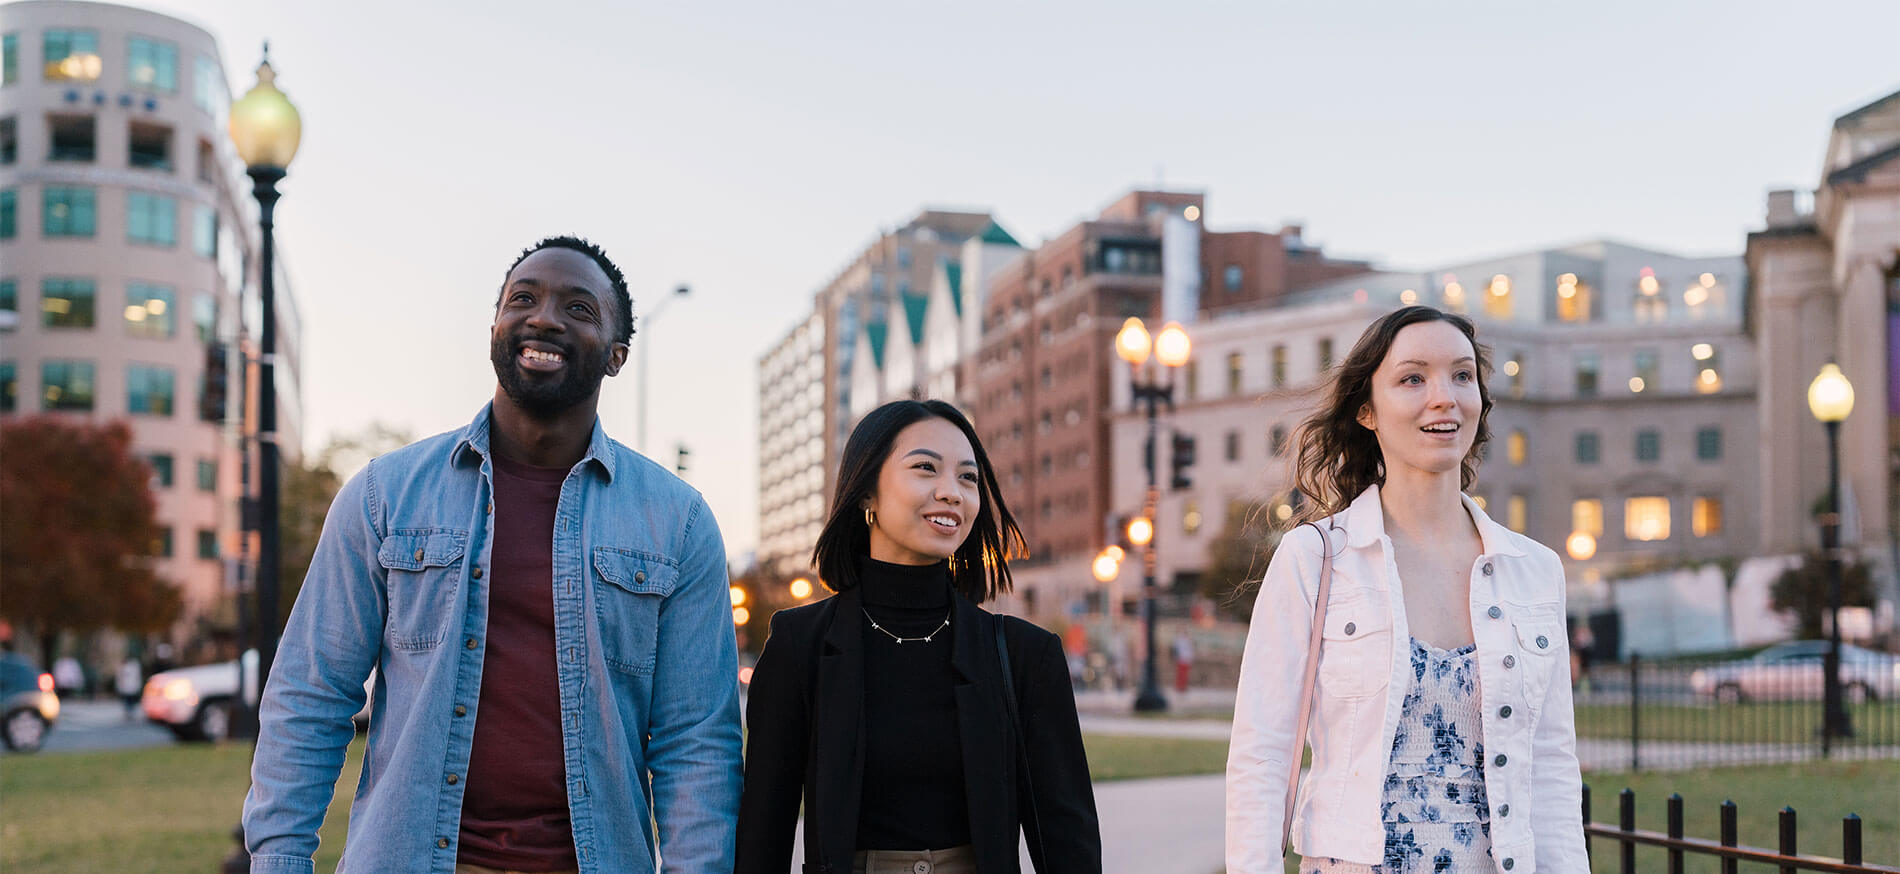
(1531, 776)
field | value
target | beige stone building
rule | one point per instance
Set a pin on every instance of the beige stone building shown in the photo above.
(127, 265)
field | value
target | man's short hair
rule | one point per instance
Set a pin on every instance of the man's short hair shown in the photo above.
(623, 331)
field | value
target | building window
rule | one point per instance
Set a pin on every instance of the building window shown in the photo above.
(207, 162)
(1232, 278)
(9, 296)
(1703, 298)
(1276, 441)
(9, 214)
(9, 387)
(208, 85)
(1705, 516)
(68, 212)
(1648, 373)
(1325, 354)
(1516, 447)
(162, 471)
(1587, 368)
(204, 231)
(162, 547)
(1497, 297)
(148, 389)
(149, 311)
(1233, 373)
(1650, 305)
(72, 138)
(1649, 445)
(9, 58)
(66, 303)
(151, 64)
(9, 140)
(1574, 299)
(1233, 446)
(1453, 293)
(150, 146)
(204, 317)
(70, 55)
(207, 543)
(1517, 513)
(1586, 515)
(1191, 518)
(1708, 368)
(66, 385)
(1646, 518)
(1708, 444)
(1514, 371)
(1589, 447)
(1192, 372)
(1279, 366)
(151, 219)
(207, 475)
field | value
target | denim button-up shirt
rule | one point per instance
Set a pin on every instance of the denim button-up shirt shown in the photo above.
(644, 657)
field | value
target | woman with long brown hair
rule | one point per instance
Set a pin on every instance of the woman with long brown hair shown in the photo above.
(1440, 722)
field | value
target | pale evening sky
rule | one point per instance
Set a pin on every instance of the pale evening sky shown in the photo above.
(750, 149)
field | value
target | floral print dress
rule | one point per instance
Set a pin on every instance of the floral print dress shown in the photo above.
(1436, 816)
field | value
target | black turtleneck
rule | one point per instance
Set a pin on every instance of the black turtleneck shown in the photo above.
(913, 796)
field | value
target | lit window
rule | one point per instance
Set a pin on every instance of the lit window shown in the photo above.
(149, 311)
(1646, 518)
(1233, 373)
(1650, 305)
(68, 212)
(1648, 371)
(148, 389)
(1497, 297)
(1703, 297)
(1574, 299)
(66, 385)
(1191, 518)
(151, 64)
(67, 303)
(1586, 515)
(1514, 369)
(1517, 513)
(1708, 368)
(1516, 447)
(1705, 517)
(1454, 294)
(1279, 366)
(70, 55)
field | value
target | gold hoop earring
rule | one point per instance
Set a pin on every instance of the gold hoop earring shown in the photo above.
(870, 518)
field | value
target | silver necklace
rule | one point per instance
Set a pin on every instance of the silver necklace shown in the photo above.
(926, 638)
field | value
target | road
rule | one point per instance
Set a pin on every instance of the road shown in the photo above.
(88, 725)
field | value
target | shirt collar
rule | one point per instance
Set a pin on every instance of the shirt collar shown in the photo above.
(474, 444)
(1364, 519)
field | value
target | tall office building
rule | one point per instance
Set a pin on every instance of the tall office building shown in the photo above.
(127, 266)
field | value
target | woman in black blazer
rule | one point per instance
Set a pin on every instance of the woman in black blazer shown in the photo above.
(884, 708)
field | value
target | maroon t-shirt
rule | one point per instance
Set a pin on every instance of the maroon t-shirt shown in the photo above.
(514, 811)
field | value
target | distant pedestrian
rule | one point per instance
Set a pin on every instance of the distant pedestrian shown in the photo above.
(1183, 660)
(1440, 738)
(68, 677)
(128, 684)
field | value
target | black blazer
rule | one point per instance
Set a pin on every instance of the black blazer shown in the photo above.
(805, 715)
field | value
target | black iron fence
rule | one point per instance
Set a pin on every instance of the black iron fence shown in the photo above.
(1728, 852)
(1660, 716)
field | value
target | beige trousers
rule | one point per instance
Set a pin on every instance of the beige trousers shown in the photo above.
(956, 860)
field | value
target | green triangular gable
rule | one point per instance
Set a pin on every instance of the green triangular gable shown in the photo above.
(995, 234)
(914, 307)
(953, 272)
(875, 332)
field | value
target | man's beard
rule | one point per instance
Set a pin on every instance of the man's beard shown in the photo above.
(544, 398)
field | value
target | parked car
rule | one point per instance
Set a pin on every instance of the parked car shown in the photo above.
(196, 703)
(28, 702)
(1793, 671)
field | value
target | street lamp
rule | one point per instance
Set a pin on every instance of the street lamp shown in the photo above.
(1581, 545)
(1831, 399)
(801, 588)
(1171, 349)
(650, 319)
(266, 128)
(1105, 567)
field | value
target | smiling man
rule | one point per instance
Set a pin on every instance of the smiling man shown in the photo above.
(549, 615)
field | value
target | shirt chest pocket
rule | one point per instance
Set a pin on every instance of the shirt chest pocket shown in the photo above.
(1538, 631)
(1355, 656)
(423, 573)
(630, 589)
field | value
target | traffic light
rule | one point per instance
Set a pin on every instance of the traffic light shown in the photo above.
(1180, 460)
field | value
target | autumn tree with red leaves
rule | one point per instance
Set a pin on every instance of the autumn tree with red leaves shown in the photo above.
(77, 532)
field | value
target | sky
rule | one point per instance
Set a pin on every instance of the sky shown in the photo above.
(750, 150)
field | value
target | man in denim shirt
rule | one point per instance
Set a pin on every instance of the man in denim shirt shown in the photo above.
(549, 616)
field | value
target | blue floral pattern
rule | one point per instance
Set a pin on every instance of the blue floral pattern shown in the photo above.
(1434, 808)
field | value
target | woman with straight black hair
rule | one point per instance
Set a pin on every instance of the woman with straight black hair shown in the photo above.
(921, 732)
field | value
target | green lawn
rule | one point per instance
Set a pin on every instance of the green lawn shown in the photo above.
(1763, 722)
(1118, 757)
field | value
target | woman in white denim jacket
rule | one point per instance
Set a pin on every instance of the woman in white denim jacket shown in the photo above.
(1383, 466)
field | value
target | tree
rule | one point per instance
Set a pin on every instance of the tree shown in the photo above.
(1803, 591)
(1238, 558)
(79, 532)
(308, 490)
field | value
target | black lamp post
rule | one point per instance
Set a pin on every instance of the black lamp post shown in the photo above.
(1831, 399)
(1171, 348)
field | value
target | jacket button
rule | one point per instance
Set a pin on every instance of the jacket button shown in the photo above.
(1494, 612)
(1350, 628)
(1504, 810)
(461, 710)
(454, 779)
(1510, 661)
(1543, 642)
(442, 842)
(1509, 863)
(418, 555)
(1487, 568)
(469, 644)
(639, 576)
(491, 506)
(477, 572)
(920, 867)
(1500, 760)
(1504, 712)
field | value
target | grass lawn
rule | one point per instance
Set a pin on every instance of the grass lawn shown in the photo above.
(1119, 757)
(1755, 722)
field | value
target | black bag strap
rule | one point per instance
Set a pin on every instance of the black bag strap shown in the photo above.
(1016, 732)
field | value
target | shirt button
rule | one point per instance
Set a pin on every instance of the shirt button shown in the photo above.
(1509, 863)
(1494, 613)
(418, 555)
(461, 710)
(921, 867)
(491, 506)
(469, 644)
(454, 779)
(1350, 628)
(1504, 810)
(1504, 712)
(1510, 661)
(1487, 568)
(1543, 642)
(1500, 760)
(477, 572)
(442, 842)
(639, 576)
